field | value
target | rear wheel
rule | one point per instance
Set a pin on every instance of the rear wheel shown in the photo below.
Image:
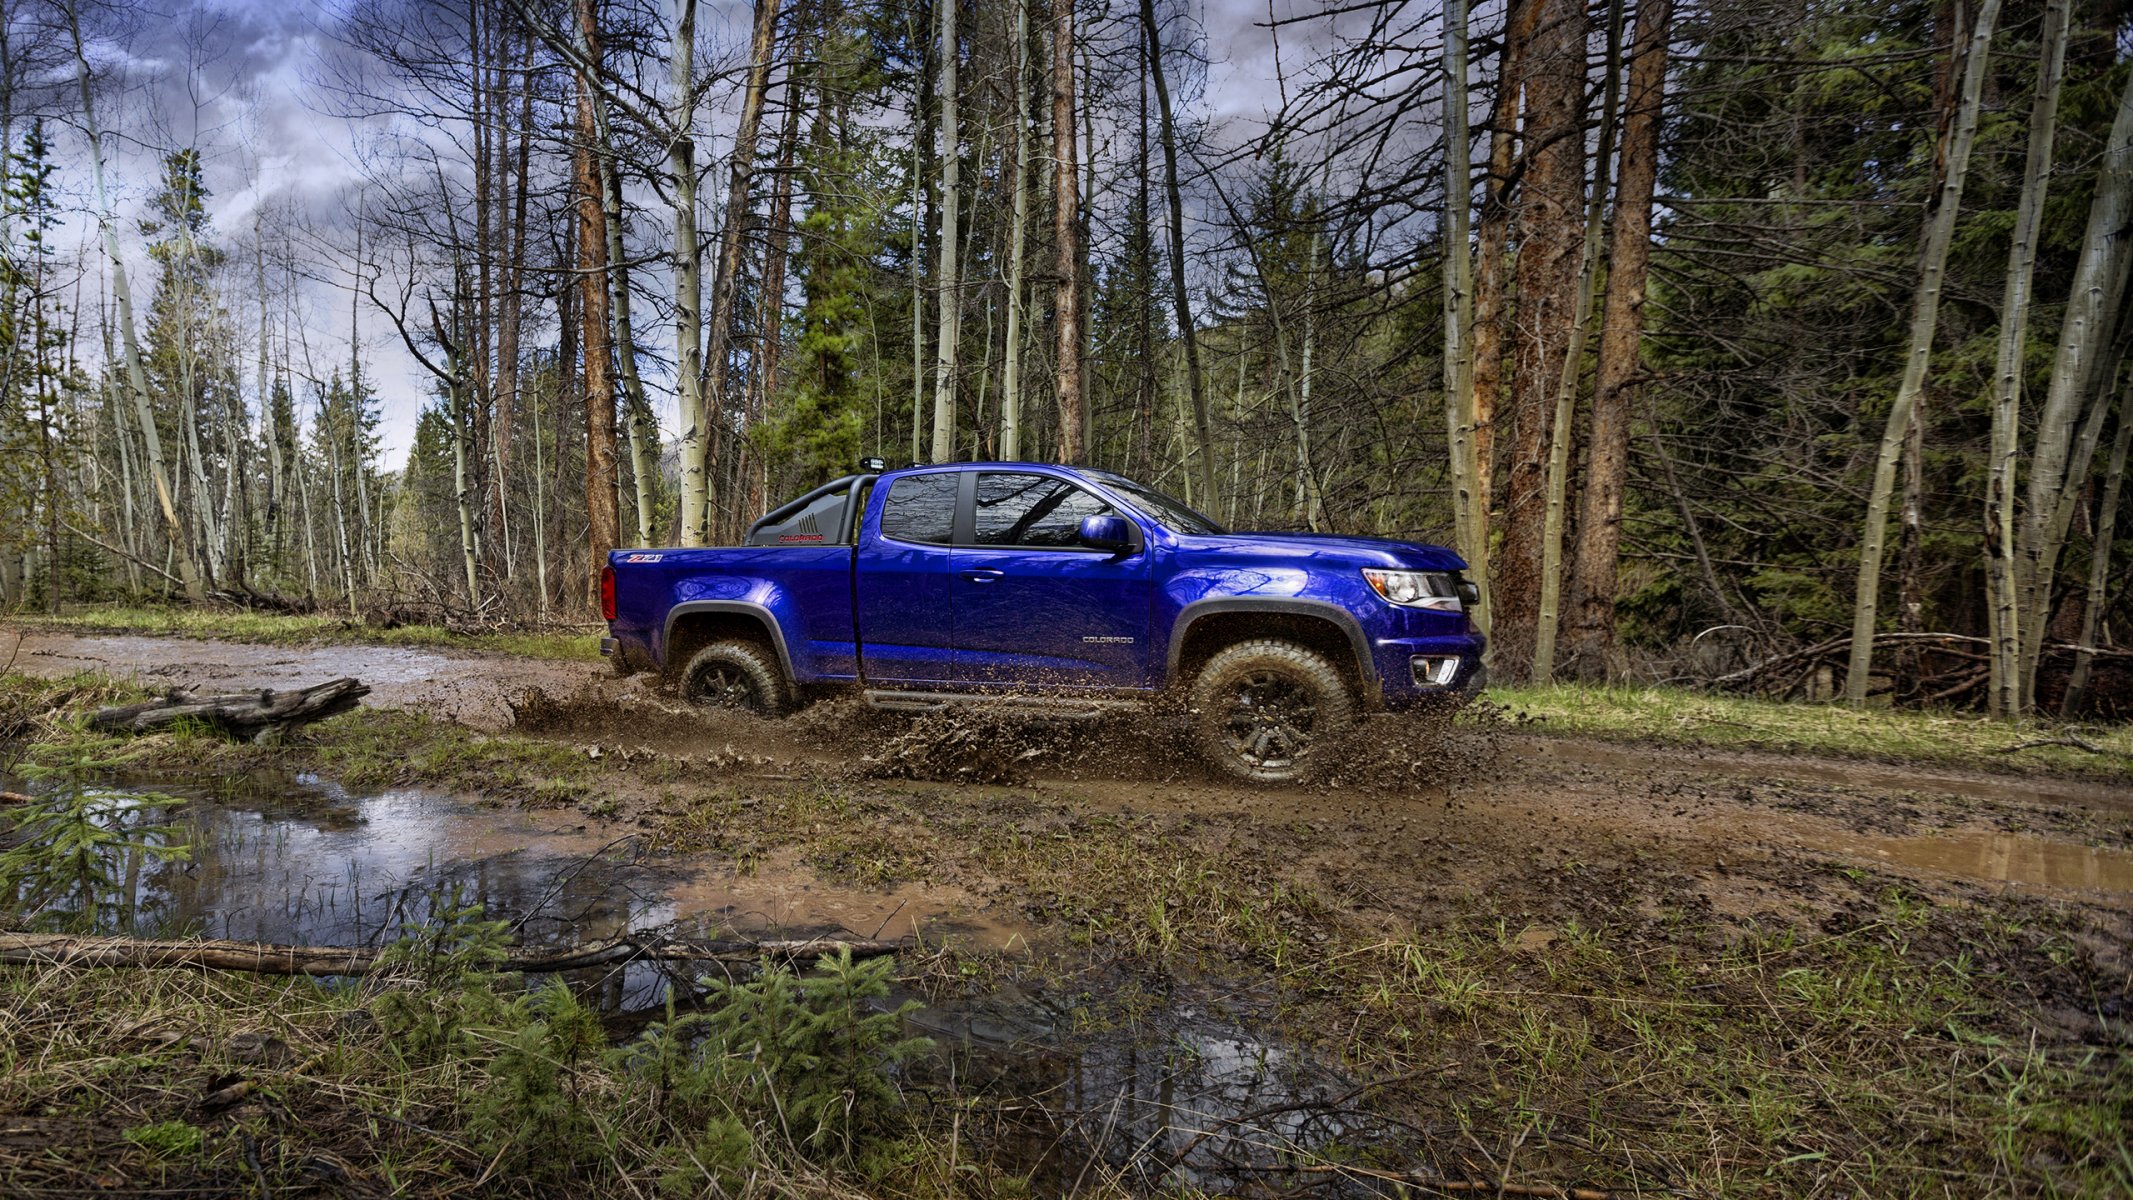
(735, 674)
(1259, 709)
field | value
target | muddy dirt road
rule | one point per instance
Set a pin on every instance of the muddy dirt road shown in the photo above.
(1638, 965)
(1435, 811)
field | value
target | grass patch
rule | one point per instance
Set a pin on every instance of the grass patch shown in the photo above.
(282, 629)
(436, 1078)
(1676, 716)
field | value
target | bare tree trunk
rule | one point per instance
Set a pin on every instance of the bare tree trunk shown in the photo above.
(1066, 237)
(1459, 297)
(180, 541)
(1491, 251)
(2114, 479)
(771, 306)
(948, 344)
(1018, 240)
(1600, 509)
(1551, 223)
(1924, 315)
(602, 520)
(2003, 604)
(2084, 339)
(688, 284)
(1549, 617)
(1180, 296)
(734, 237)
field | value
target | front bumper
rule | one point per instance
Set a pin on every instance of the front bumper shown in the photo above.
(1430, 670)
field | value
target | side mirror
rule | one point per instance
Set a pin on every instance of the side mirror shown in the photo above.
(1107, 531)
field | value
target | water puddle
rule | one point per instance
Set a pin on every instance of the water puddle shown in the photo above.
(2002, 858)
(282, 858)
(1178, 1091)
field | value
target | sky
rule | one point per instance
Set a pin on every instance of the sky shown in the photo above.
(252, 84)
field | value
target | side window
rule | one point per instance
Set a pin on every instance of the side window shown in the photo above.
(1032, 510)
(920, 508)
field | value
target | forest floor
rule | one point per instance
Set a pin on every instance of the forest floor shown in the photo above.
(1682, 956)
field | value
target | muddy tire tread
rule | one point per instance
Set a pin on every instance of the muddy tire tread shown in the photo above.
(1337, 702)
(772, 688)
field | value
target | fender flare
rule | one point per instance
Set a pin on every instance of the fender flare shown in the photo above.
(745, 608)
(1339, 617)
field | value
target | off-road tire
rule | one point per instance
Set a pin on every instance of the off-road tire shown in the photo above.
(1258, 709)
(735, 674)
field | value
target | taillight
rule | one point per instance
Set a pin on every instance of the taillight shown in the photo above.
(607, 593)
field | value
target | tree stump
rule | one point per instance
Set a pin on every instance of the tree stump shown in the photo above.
(261, 716)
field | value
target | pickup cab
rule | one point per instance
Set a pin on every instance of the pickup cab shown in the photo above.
(1062, 590)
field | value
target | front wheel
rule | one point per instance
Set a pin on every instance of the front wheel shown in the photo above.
(735, 674)
(1260, 708)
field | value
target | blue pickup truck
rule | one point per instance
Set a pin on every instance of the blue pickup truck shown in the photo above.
(1063, 590)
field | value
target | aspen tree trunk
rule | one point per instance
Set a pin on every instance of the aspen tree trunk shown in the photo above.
(1459, 300)
(1066, 237)
(2114, 478)
(511, 319)
(129, 537)
(159, 476)
(462, 486)
(948, 343)
(771, 305)
(1308, 495)
(602, 519)
(643, 428)
(918, 244)
(1549, 619)
(2002, 599)
(1017, 245)
(1599, 526)
(1924, 315)
(732, 240)
(2083, 340)
(1180, 295)
(688, 259)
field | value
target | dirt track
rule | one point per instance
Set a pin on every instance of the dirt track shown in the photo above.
(1421, 814)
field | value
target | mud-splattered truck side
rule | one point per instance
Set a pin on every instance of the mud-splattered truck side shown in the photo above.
(1062, 589)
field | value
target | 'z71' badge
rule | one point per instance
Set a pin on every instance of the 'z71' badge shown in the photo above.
(639, 558)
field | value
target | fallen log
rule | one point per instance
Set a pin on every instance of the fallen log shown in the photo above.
(262, 716)
(269, 958)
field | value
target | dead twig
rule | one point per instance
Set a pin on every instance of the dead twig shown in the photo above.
(2068, 740)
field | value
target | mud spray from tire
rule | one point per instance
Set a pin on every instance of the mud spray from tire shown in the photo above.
(843, 736)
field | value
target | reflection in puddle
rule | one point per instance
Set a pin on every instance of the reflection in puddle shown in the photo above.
(297, 859)
(1183, 1096)
(2006, 858)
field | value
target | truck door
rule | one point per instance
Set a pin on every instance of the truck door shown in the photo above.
(1033, 607)
(902, 575)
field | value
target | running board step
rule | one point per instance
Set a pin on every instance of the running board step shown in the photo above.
(1058, 708)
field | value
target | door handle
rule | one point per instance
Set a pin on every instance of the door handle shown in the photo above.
(983, 575)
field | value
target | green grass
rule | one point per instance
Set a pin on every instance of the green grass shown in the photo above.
(281, 629)
(1676, 716)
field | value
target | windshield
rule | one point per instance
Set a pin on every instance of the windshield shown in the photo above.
(1172, 513)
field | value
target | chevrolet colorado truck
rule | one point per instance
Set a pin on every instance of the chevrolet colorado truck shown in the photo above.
(1063, 590)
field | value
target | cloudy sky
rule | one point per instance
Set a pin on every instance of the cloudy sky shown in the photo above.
(254, 85)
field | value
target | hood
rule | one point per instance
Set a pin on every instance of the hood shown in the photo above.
(1364, 551)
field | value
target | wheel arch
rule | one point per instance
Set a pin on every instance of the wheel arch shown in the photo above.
(1204, 627)
(694, 624)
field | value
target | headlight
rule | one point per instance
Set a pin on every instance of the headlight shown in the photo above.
(1437, 590)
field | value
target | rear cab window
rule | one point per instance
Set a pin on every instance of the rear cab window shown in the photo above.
(921, 509)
